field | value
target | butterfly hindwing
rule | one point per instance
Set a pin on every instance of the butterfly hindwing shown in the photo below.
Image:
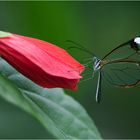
(124, 74)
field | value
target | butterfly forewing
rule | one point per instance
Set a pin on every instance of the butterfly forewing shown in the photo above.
(125, 50)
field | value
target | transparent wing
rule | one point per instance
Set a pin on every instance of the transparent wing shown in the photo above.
(125, 50)
(122, 74)
(121, 66)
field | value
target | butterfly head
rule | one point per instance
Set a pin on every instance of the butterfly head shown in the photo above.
(96, 64)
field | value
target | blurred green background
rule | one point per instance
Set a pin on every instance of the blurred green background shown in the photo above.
(99, 26)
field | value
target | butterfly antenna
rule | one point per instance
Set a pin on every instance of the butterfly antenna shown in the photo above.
(79, 46)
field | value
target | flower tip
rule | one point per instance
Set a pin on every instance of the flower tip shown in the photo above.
(4, 34)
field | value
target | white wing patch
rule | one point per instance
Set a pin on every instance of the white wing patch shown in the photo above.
(137, 40)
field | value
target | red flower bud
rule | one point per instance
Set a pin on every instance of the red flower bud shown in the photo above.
(42, 62)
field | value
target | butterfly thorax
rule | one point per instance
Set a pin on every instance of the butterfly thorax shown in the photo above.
(96, 64)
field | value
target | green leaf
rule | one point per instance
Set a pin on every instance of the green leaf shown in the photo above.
(60, 114)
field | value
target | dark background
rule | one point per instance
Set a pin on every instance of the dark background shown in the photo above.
(99, 26)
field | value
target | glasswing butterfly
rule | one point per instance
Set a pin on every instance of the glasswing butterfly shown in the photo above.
(120, 67)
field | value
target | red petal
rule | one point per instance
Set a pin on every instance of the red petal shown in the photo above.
(42, 62)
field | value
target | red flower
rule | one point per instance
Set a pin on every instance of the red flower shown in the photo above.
(42, 62)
